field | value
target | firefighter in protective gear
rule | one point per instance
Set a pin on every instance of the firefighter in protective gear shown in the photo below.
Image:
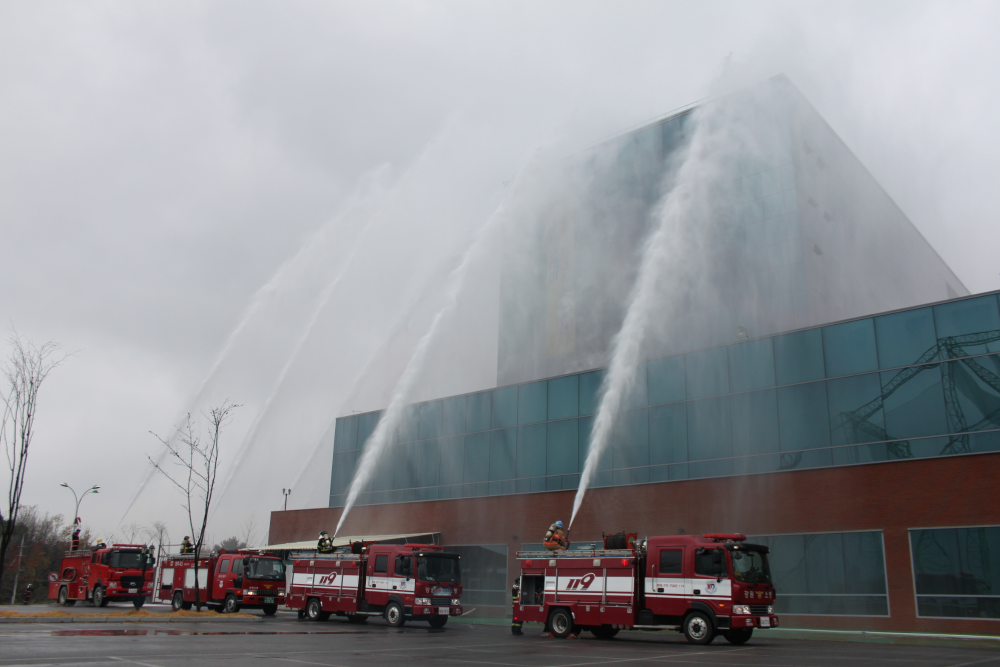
(75, 542)
(515, 590)
(325, 544)
(186, 546)
(555, 538)
(100, 544)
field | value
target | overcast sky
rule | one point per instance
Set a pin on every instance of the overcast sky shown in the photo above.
(163, 161)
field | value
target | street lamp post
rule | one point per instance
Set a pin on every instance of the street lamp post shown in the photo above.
(79, 499)
(286, 493)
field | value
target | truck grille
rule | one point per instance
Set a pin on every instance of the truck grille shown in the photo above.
(131, 582)
(440, 602)
(758, 609)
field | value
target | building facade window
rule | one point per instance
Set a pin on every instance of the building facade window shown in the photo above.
(956, 571)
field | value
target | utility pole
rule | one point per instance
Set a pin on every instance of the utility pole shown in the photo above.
(20, 557)
(286, 493)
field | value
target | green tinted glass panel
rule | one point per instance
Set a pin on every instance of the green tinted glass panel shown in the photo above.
(751, 365)
(707, 373)
(564, 397)
(477, 412)
(976, 384)
(590, 387)
(631, 440)
(430, 419)
(798, 357)
(586, 425)
(856, 410)
(503, 445)
(956, 322)
(906, 338)
(709, 429)
(755, 422)
(666, 380)
(477, 457)
(532, 402)
(504, 407)
(426, 462)
(636, 396)
(452, 460)
(409, 426)
(850, 348)
(668, 434)
(453, 416)
(366, 426)
(803, 421)
(956, 561)
(563, 447)
(914, 402)
(531, 451)
(345, 434)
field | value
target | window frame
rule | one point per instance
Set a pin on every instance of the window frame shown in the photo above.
(913, 573)
(680, 565)
(385, 564)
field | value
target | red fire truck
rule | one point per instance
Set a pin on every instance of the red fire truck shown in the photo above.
(118, 572)
(227, 582)
(401, 582)
(702, 586)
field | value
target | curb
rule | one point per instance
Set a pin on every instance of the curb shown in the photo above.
(121, 619)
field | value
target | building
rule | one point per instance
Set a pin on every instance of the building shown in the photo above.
(833, 392)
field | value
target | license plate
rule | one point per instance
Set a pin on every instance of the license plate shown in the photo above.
(443, 610)
(268, 600)
(133, 590)
(765, 622)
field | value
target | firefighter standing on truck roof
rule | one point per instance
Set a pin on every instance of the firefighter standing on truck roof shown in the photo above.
(325, 544)
(75, 543)
(186, 546)
(515, 626)
(555, 538)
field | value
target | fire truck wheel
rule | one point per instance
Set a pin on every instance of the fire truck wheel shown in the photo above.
(177, 602)
(394, 615)
(313, 609)
(63, 596)
(100, 600)
(604, 632)
(271, 610)
(560, 623)
(230, 606)
(738, 636)
(438, 621)
(698, 628)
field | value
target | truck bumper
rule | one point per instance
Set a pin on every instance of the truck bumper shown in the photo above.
(422, 611)
(763, 622)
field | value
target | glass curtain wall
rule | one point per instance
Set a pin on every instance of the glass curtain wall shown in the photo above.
(918, 383)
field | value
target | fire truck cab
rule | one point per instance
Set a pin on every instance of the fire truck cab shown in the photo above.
(227, 582)
(703, 586)
(119, 572)
(401, 582)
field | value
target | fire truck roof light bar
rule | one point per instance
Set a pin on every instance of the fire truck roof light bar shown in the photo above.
(722, 537)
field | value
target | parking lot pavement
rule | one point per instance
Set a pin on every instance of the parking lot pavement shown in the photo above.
(285, 641)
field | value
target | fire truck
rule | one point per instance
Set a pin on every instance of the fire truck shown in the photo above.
(400, 582)
(117, 572)
(227, 582)
(702, 586)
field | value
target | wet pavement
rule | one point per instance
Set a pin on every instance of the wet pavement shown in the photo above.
(287, 641)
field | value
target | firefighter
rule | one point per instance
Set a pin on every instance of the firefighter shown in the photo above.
(555, 538)
(515, 626)
(324, 545)
(100, 544)
(28, 590)
(186, 546)
(75, 543)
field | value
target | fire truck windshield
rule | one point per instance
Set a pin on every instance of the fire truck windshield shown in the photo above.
(751, 567)
(130, 559)
(265, 568)
(438, 567)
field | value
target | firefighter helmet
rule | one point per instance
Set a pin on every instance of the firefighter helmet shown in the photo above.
(559, 524)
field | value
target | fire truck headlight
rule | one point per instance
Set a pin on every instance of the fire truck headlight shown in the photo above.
(770, 609)
(455, 601)
(423, 601)
(741, 609)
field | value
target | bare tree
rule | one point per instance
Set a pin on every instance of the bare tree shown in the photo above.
(25, 370)
(195, 465)
(249, 531)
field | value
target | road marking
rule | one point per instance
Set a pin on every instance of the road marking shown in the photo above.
(134, 662)
(976, 662)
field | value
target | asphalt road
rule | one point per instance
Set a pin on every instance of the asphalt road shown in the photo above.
(283, 640)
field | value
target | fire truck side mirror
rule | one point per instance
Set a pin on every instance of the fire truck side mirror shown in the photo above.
(700, 550)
